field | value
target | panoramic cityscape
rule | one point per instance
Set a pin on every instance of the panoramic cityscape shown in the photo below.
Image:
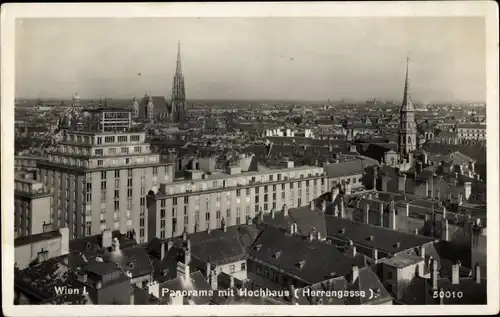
(262, 172)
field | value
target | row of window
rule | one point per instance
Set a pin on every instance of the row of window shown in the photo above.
(121, 138)
(123, 150)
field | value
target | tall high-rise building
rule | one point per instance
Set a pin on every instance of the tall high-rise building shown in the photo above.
(407, 125)
(100, 176)
(178, 111)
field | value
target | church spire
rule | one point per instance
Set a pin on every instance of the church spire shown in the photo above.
(178, 70)
(407, 104)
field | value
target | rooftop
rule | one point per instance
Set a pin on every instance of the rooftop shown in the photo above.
(37, 238)
(374, 237)
(313, 261)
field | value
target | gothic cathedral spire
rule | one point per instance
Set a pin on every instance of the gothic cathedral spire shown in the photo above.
(407, 125)
(178, 91)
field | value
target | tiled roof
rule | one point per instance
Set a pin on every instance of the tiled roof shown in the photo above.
(40, 281)
(136, 261)
(298, 256)
(384, 239)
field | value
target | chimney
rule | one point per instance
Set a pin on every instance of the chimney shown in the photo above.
(162, 252)
(213, 280)
(455, 273)
(348, 188)
(472, 166)
(422, 252)
(375, 255)
(445, 234)
(355, 273)
(385, 179)
(477, 273)
(351, 249)
(208, 271)
(419, 167)
(313, 207)
(392, 216)
(170, 244)
(402, 182)
(186, 273)
(187, 253)
(434, 274)
(293, 299)
(367, 213)
(375, 177)
(285, 210)
(223, 224)
(381, 214)
(107, 238)
(467, 190)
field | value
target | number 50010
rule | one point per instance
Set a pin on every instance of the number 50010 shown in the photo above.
(447, 294)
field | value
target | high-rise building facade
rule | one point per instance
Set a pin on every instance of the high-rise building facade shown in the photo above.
(178, 110)
(100, 178)
(407, 125)
(203, 201)
(32, 205)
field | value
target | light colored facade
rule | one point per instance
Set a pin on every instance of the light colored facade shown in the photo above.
(471, 131)
(200, 201)
(32, 206)
(100, 180)
(40, 247)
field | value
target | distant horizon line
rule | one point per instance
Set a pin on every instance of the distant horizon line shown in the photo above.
(261, 100)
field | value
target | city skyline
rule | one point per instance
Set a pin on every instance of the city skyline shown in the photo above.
(441, 50)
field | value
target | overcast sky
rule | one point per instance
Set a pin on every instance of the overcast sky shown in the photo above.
(253, 58)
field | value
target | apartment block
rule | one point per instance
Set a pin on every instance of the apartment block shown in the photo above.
(204, 201)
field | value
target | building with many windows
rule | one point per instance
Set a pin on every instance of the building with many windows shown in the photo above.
(471, 131)
(100, 179)
(203, 201)
(32, 206)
